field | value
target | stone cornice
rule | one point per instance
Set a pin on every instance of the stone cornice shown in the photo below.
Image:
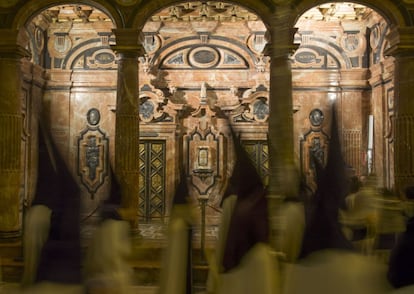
(401, 40)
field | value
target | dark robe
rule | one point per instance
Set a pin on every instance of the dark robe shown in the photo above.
(401, 262)
(60, 259)
(248, 226)
(323, 230)
(249, 222)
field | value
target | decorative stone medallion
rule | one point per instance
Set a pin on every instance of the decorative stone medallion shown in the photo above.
(204, 57)
(316, 117)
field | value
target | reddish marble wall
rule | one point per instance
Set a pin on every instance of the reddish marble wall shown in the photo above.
(82, 74)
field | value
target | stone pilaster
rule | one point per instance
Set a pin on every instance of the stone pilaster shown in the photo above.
(10, 133)
(128, 49)
(33, 82)
(402, 48)
(280, 139)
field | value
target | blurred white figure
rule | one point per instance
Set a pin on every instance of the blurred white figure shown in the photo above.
(403, 290)
(106, 267)
(291, 215)
(36, 232)
(176, 264)
(176, 273)
(336, 271)
(362, 214)
(258, 272)
(293, 225)
(52, 288)
(215, 260)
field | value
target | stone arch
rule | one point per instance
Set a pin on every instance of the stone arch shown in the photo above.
(95, 50)
(393, 14)
(29, 10)
(361, 85)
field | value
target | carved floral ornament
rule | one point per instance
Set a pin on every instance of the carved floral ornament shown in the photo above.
(150, 106)
(254, 105)
(154, 107)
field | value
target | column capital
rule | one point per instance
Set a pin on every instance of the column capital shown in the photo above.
(279, 50)
(401, 40)
(280, 35)
(12, 44)
(128, 42)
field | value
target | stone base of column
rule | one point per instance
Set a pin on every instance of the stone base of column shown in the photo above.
(10, 226)
(275, 221)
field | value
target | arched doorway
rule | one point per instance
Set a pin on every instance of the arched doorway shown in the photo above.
(203, 69)
(72, 91)
(341, 60)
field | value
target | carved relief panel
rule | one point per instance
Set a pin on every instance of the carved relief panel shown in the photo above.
(93, 148)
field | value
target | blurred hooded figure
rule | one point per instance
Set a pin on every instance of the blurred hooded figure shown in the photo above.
(52, 254)
(361, 215)
(401, 261)
(246, 264)
(38, 217)
(176, 273)
(328, 263)
(323, 230)
(106, 269)
(292, 217)
(215, 259)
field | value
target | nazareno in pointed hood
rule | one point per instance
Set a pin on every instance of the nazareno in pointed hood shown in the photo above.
(249, 222)
(60, 258)
(323, 230)
(245, 177)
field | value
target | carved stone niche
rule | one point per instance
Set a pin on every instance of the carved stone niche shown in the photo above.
(203, 150)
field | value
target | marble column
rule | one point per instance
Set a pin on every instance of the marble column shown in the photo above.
(128, 49)
(10, 133)
(284, 176)
(402, 48)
